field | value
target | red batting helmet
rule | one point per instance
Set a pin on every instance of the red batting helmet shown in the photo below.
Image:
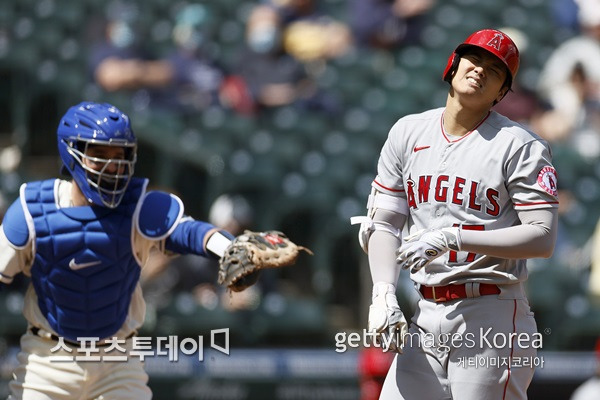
(496, 42)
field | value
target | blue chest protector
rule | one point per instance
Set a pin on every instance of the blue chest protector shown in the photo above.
(84, 271)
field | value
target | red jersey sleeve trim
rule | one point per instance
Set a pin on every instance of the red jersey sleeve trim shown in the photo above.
(387, 188)
(535, 203)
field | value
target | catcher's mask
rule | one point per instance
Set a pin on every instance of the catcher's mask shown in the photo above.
(92, 124)
(494, 41)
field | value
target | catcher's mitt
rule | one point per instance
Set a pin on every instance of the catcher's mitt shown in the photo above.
(252, 251)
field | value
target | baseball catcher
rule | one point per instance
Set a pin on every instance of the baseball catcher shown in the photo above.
(250, 252)
(84, 240)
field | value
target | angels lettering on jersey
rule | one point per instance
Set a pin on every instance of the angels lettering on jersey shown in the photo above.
(457, 190)
(461, 191)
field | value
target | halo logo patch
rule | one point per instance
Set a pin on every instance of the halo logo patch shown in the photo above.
(547, 180)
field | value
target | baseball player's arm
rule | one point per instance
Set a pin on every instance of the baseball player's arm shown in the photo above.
(530, 179)
(16, 243)
(198, 237)
(385, 316)
(12, 260)
(380, 236)
(172, 232)
(382, 247)
(535, 237)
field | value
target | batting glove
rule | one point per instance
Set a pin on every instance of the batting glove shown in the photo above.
(425, 246)
(386, 321)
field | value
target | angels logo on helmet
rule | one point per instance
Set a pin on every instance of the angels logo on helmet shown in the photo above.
(496, 41)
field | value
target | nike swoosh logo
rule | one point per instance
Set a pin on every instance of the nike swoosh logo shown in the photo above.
(74, 266)
(420, 148)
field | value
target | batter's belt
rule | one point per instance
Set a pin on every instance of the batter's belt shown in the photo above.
(440, 294)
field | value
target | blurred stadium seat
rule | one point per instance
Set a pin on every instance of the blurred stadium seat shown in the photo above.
(12, 322)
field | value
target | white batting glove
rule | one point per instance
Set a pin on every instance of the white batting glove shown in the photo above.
(386, 321)
(425, 246)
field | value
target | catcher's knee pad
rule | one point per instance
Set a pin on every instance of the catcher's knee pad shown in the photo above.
(378, 200)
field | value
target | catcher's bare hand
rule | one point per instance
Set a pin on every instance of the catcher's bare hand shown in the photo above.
(253, 251)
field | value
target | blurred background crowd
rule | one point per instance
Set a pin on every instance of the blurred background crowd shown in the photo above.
(270, 114)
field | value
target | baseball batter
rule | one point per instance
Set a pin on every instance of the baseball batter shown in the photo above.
(477, 194)
(83, 243)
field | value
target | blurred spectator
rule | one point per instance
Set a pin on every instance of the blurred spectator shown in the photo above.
(118, 61)
(594, 282)
(231, 212)
(388, 24)
(564, 16)
(4, 203)
(292, 10)
(590, 389)
(521, 104)
(570, 83)
(265, 75)
(308, 33)
(196, 77)
(186, 81)
(10, 179)
(373, 365)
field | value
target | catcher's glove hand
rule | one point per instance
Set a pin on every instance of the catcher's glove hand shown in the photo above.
(252, 251)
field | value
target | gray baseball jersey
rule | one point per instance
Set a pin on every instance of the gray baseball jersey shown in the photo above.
(477, 181)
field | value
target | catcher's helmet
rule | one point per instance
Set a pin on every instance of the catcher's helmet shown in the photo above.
(496, 42)
(97, 124)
